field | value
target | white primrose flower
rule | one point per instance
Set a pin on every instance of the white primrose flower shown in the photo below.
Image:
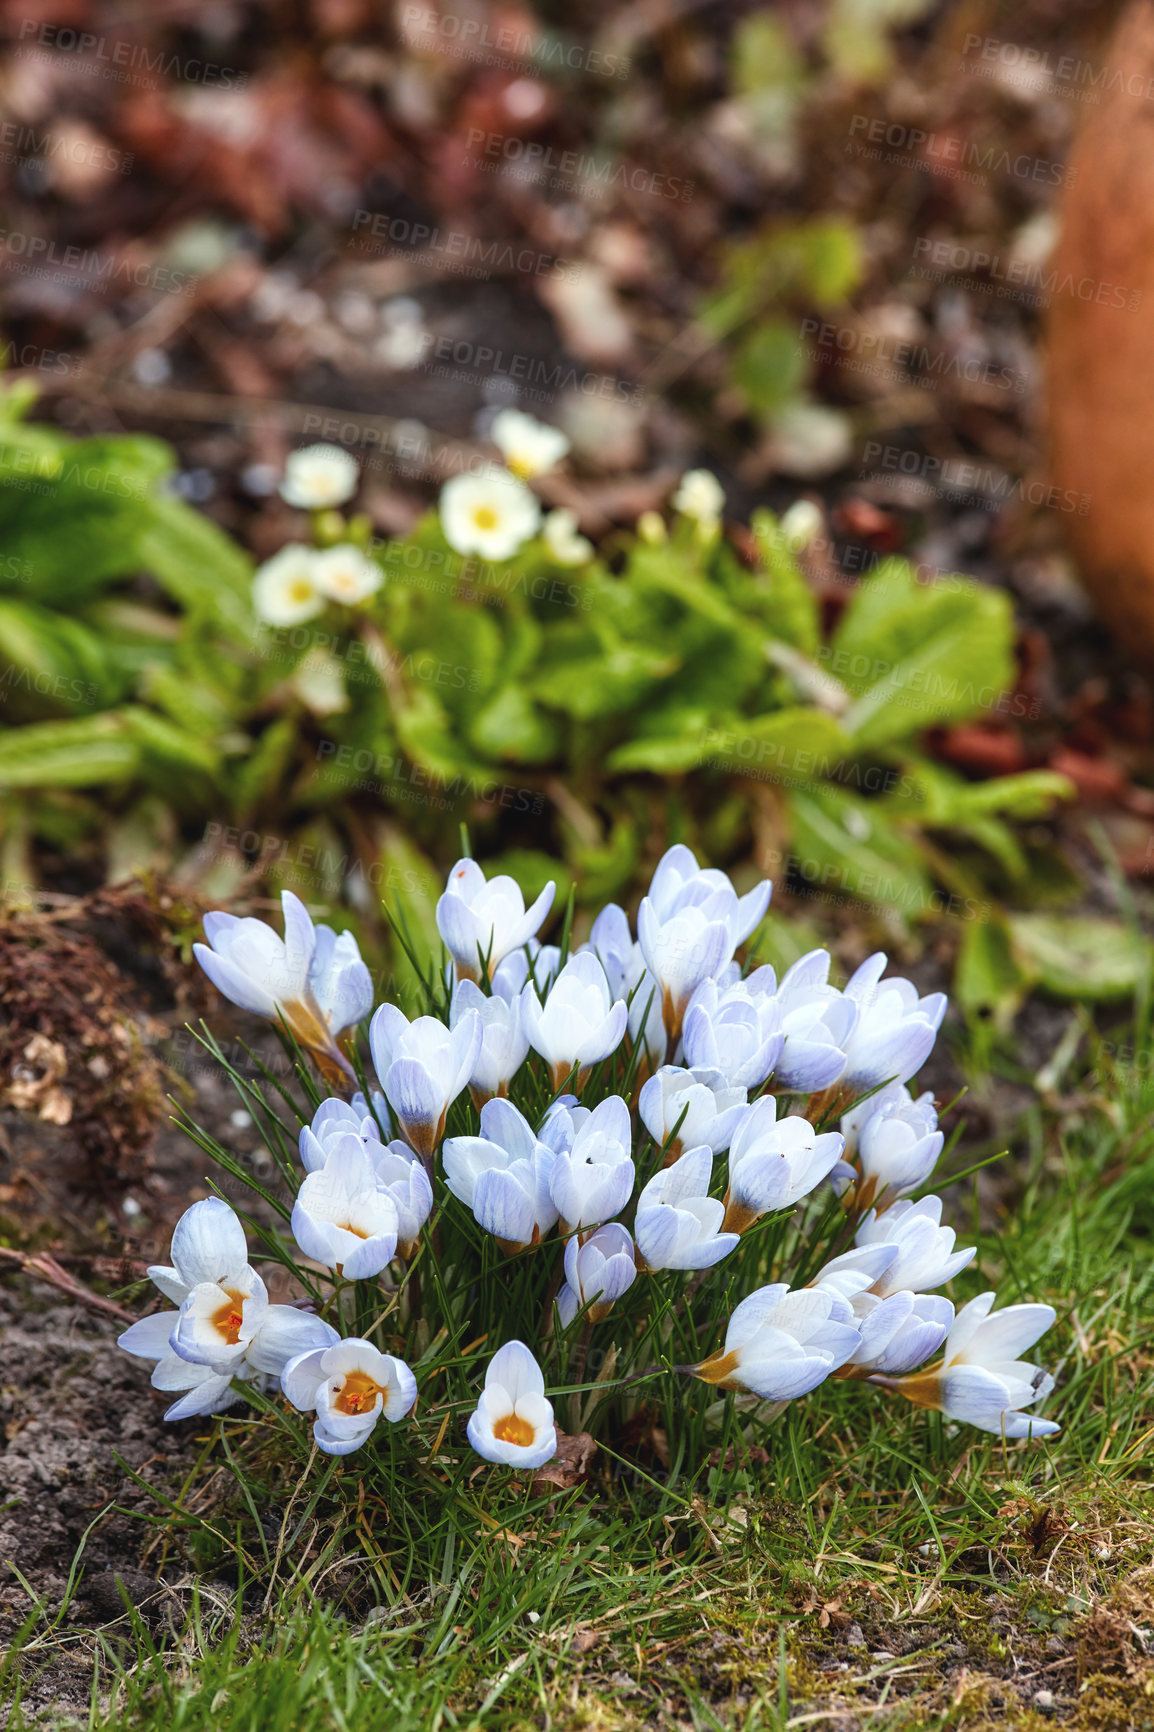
(898, 1145)
(782, 1344)
(504, 1039)
(513, 1422)
(343, 1216)
(503, 1176)
(350, 1385)
(597, 1273)
(700, 495)
(529, 447)
(319, 477)
(580, 1024)
(818, 1023)
(736, 1028)
(926, 1257)
(559, 533)
(593, 1172)
(774, 1163)
(708, 1109)
(284, 588)
(800, 524)
(678, 1224)
(313, 978)
(482, 920)
(423, 1066)
(980, 1378)
(491, 514)
(346, 574)
(895, 1029)
(689, 925)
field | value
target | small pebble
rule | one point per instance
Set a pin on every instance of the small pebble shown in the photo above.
(240, 1120)
(1044, 1700)
(131, 1208)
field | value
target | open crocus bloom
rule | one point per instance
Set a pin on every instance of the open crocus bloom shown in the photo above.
(503, 1176)
(312, 978)
(580, 1024)
(504, 1039)
(350, 1384)
(679, 1225)
(481, 920)
(593, 1172)
(319, 477)
(774, 1163)
(736, 1028)
(343, 1216)
(780, 1345)
(513, 1422)
(597, 1273)
(898, 1145)
(423, 1066)
(895, 1028)
(925, 1257)
(700, 1105)
(818, 1024)
(529, 446)
(980, 1378)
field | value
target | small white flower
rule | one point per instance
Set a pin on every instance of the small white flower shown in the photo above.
(980, 1379)
(580, 1024)
(423, 1066)
(700, 1102)
(895, 1029)
(679, 1225)
(780, 1345)
(503, 1176)
(559, 532)
(774, 1163)
(482, 920)
(926, 1257)
(597, 1273)
(346, 574)
(319, 683)
(736, 1028)
(529, 447)
(897, 1144)
(319, 477)
(593, 1172)
(818, 1023)
(350, 1385)
(801, 524)
(491, 514)
(689, 925)
(513, 1422)
(504, 1039)
(284, 589)
(700, 496)
(343, 1216)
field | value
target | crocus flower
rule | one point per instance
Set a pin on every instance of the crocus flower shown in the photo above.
(491, 514)
(678, 1224)
(504, 1040)
(319, 477)
(689, 925)
(343, 1216)
(423, 1066)
(736, 1028)
(926, 1257)
(593, 1171)
(539, 963)
(503, 1176)
(481, 920)
(284, 588)
(312, 978)
(513, 1422)
(781, 1344)
(900, 1332)
(774, 1163)
(529, 447)
(597, 1272)
(818, 1023)
(620, 956)
(398, 1171)
(980, 1378)
(898, 1145)
(350, 1385)
(347, 575)
(895, 1029)
(700, 1104)
(579, 1024)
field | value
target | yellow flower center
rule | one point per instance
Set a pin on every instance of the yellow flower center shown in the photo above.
(301, 591)
(358, 1394)
(513, 1429)
(227, 1319)
(523, 467)
(485, 517)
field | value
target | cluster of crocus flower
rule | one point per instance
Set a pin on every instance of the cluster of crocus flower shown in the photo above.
(632, 1106)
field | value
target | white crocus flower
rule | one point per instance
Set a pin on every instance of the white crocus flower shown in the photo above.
(529, 447)
(774, 1163)
(483, 920)
(579, 1024)
(736, 1028)
(980, 1378)
(319, 477)
(349, 1385)
(700, 1105)
(343, 1216)
(895, 1029)
(559, 533)
(504, 1040)
(397, 1169)
(597, 1273)
(926, 1257)
(700, 495)
(491, 514)
(898, 1145)
(689, 925)
(346, 574)
(513, 1422)
(284, 588)
(540, 963)
(678, 1224)
(818, 1023)
(900, 1332)
(312, 978)
(781, 1344)
(593, 1172)
(619, 954)
(503, 1176)
(423, 1066)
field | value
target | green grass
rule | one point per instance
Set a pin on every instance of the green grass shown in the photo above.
(854, 1562)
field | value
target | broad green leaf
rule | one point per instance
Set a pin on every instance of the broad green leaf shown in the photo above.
(197, 564)
(840, 847)
(84, 753)
(513, 729)
(793, 615)
(989, 980)
(1080, 956)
